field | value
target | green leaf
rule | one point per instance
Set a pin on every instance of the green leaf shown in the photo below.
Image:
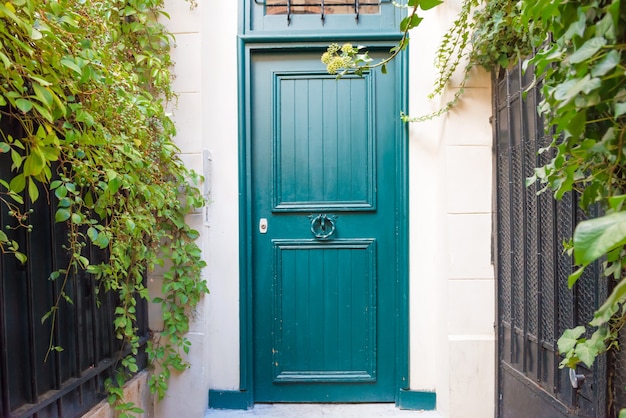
(43, 94)
(610, 305)
(609, 62)
(410, 22)
(62, 215)
(620, 109)
(18, 183)
(429, 4)
(587, 50)
(102, 241)
(595, 237)
(24, 105)
(586, 352)
(569, 339)
(33, 190)
(573, 278)
(71, 65)
(35, 34)
(92, 233)
(44, 112)
(46, 316)
(4, 147)
(17, 159)
(41, 81)
(60, 192)
(6, 61)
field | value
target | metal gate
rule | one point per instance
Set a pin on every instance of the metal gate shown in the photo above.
(534, 303)
(71, 381)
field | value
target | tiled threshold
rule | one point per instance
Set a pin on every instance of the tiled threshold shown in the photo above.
(322, 410)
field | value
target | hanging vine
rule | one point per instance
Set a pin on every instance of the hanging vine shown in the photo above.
(87, 81)
(579, 56)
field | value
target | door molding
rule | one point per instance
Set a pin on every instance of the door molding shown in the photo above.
(246, 47)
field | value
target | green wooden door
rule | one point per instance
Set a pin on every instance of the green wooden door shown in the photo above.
(323, 187)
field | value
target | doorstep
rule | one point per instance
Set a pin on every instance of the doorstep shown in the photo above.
(312, 410)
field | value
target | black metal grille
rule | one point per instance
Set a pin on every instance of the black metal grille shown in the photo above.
(535, 304)
(320, 7)
(70, 381)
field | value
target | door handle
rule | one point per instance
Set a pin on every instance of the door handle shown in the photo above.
(323, 225)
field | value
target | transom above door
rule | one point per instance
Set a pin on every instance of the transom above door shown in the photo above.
(319, 17)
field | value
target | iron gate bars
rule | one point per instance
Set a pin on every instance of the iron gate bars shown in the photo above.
(321, 7)
(71, 381)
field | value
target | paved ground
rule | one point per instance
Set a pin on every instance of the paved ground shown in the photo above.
(322, 410)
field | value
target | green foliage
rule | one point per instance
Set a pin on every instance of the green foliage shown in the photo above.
(584, 90)
(499, 39)
(87, 81)
(346, 59)
(580, 62)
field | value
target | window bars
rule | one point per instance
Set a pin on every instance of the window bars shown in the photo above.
(321, 7)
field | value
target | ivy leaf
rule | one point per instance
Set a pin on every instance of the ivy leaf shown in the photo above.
(610, 305)
(595, 237)
(586, 352)
(429, 4)
(620, 109)
(569, 339)
(410, 22)
(573, 278)
(609, 62)
(587, 50)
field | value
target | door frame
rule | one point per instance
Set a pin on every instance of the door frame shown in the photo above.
(247, 45)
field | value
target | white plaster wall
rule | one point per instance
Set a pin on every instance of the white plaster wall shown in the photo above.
(451, 276)
(205, 114)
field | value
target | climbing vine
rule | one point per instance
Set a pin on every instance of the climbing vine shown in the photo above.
(88, 81)
(584, 92)
(579, 57)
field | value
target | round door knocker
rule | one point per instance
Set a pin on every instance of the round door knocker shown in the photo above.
(323, 225)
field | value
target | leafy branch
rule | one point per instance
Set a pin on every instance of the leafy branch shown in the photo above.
(347, 59)
(87, 82)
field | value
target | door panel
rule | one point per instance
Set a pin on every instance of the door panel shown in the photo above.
(316, 168)
(324, 252)
(325, 320)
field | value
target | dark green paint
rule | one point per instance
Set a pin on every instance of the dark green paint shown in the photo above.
(417, 400)
(325, 312)
(229, 399)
